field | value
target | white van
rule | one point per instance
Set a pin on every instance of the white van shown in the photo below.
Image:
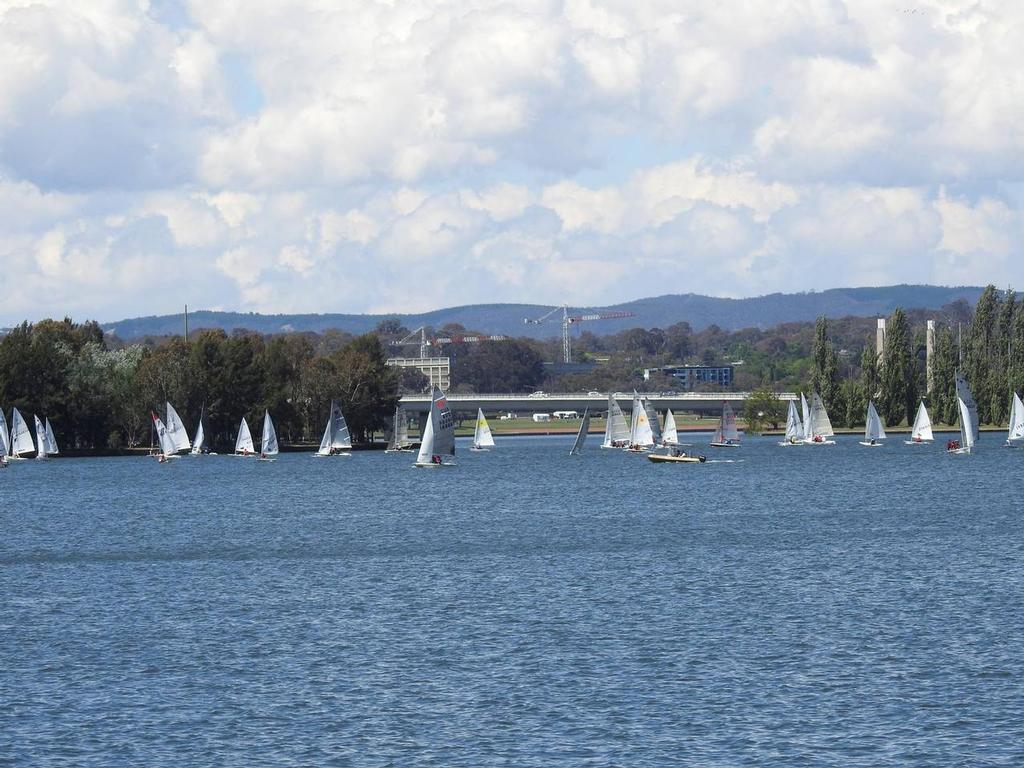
(542, 417)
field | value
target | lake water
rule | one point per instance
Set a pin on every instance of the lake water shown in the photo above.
(837, 606)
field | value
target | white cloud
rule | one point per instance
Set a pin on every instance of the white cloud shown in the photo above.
(348, 156)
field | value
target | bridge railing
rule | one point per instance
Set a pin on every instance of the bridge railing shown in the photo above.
(692, 396)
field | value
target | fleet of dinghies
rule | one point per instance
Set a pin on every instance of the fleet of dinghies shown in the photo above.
(807, 425)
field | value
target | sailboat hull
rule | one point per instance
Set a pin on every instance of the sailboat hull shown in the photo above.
(867, 444)
(819, 442)
(917, 442)
(478, 448)
(659, 458)
(431, 465)
(725, 445)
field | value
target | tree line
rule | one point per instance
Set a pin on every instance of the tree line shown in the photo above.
(98, 393)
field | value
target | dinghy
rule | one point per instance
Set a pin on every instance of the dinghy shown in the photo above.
(727, 435)
(874, 430)
(616, 431)
(51, 440)
(168, 449)
(644, 431)
(21, 438)
(243, 443)
(400, 442)
(794, 427)
(199, 444)
(176, 429)
(482, 438)
(40, 438)
(439, 434)
(5, 436)
(670, 435)
(268, 451)
(1016, 429)
(581, 436)
(336, 440)
(820, 426)
(968, 411)
(922, 431)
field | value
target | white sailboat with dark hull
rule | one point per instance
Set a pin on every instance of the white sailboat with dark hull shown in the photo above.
(616, 431)
(40, 438)
(439, 434)
(1015, 431)
(968, 412)
(336, 440)
(166, 447)
(794, 427)
(176, 429)
(818, 427)
(874, 429)
(482, 438)
(921, 433)
(644, 430)
(727, 435)
(581, 436)
(51, 440)
(199, 447)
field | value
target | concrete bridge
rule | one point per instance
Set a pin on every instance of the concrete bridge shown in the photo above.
(694, 402)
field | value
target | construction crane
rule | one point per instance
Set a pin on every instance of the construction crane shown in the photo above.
(568, 320)
(425, 344)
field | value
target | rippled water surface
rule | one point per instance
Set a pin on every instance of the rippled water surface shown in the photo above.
(811, 606)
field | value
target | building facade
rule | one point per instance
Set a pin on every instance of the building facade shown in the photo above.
(689, 376)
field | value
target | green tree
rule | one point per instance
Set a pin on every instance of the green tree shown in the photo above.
(368, 387)
(898, 375)
(763, 407)
(981, 349)
(824, 366)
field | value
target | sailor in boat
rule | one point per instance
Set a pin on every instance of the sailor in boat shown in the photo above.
(435, 459)
(818, 438)
(872, 442)
(953, 445)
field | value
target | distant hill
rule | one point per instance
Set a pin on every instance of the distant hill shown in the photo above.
(660, 311)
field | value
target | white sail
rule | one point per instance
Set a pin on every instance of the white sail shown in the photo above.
(482, 437)
(40, 438)
(269, 447)
(244, 444)
(794, 427)
(176, 429)
(616, 431)
(652, 419)
(439, 434)
(581, 436)
(670, 435)
(642, 433)
(922, 430)
(634, 417)
(1016, 430)
(400, 431)
(821, 426)
(873, 427)
(806, 411)
(197, 444)
(5, 436)
(51, 441)
(336, 435)
(968, 413)
(21, 438)
(167, 445)
(727, 431)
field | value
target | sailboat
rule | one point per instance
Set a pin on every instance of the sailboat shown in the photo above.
(168, 448)
(21, 438)
(670, 435)
(269, 448)
(336, 440)
(400, 442)
(794, 427)
(727, 435)
(968, 410)
(642, 435)
(1016, 429)
(874, 429)
(51, 440)
(243, 443)
(616, 431)
(5, 436)
(439, 434)
(922, 430)
(40, 438)
(176, 429)
(482, 439)
(805, 413)
(820, 425)
(581, 436)
(199, 444)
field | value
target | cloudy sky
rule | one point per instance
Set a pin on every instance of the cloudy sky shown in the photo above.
(324, 155)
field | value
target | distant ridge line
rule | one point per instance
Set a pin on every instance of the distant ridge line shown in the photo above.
(656, 311)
